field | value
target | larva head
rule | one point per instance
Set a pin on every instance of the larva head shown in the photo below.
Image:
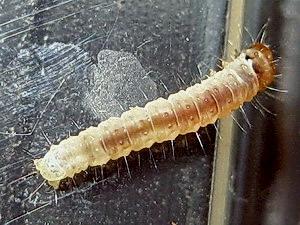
(50, 169)
(263, 65)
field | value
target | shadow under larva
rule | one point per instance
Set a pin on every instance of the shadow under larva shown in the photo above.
(162, 119)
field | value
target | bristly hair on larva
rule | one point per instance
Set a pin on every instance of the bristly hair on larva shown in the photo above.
(162, 119)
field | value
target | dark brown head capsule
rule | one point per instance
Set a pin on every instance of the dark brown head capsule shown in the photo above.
(263, 65)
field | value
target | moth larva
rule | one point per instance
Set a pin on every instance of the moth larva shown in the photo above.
(162, 119)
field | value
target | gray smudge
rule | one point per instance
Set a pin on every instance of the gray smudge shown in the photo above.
(118, 82)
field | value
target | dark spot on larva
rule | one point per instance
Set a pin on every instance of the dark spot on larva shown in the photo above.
(166, 114)
(121, 142)
(206, 100)
(229, 100)
(188, 106)
(169, 125)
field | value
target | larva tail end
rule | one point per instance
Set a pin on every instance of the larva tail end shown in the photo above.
(50, 171)
(263, 64)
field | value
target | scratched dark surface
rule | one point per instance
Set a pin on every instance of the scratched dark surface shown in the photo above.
(66, 65)
(265, 178)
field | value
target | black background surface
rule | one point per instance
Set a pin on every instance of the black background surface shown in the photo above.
(48, 56)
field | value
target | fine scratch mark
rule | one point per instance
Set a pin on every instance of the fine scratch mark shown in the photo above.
(53, 58)
(28, 213)
(51, 98)
(36, 12)
(22, 178)
(110, 31)
(18, 31)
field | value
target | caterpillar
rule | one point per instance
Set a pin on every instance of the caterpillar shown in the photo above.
(162, 119)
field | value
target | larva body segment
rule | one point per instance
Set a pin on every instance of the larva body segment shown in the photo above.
(162, 119)
(162, 114)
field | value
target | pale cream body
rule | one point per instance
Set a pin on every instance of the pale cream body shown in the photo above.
(160, 120)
